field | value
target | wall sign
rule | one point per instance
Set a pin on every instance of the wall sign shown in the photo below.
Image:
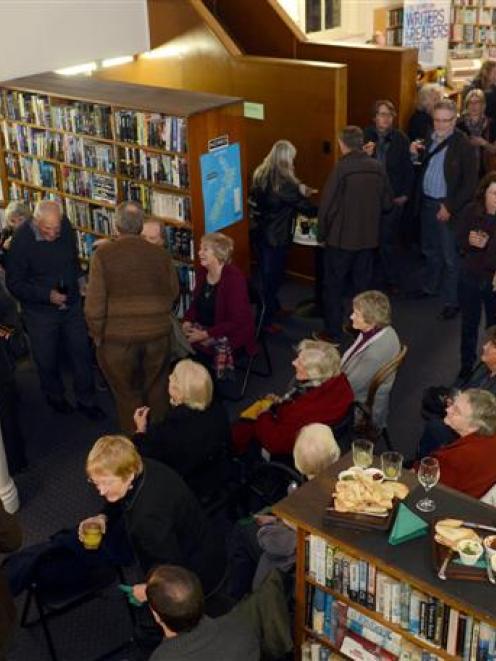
(426, 26)
(222, 187)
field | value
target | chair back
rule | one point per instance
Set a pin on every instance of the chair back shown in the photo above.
(383, 374)
(257, 302)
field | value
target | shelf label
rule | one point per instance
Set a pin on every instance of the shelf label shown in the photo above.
(217, 143)
(254, 110)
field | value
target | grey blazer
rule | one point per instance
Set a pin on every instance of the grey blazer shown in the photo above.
(361, 366)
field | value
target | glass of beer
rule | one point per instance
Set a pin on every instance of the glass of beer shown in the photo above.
(92, 534)
(363, 453)
(392, 463)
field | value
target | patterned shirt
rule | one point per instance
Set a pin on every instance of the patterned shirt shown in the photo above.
(434, 183)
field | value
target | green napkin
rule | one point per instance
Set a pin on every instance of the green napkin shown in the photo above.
(407, 526)
(128, 591)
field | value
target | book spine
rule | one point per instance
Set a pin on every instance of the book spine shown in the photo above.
(354, 580)
(452, 632)
(396, 602)
(405, 595)
(362, 587)
(371, 587)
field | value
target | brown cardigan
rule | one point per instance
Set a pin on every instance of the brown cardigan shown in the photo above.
(10, 540)
(131, 291)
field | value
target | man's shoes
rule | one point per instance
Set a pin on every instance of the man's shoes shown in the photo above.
(272, 329)
(323, 336)
(449, 312)
(91, 411)
(60, 405)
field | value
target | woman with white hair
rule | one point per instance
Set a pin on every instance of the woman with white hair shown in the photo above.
(421, 123)
(15, 214)
(279, 197)
(321, 394)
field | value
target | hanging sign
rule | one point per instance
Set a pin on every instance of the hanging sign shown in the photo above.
(426, 26)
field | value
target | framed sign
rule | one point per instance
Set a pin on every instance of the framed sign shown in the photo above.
(222, 187)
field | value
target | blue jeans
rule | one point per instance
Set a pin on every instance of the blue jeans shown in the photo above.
(272, 263)
(474, 294)
(441, 254)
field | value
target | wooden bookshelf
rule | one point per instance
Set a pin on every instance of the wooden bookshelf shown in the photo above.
(389, 20)
(83, 124)
(410, 564)
(473, 24)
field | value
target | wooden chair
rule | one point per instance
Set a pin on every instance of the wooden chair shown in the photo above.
(364, 424)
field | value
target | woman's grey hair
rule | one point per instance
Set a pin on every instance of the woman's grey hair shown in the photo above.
(16, 210)
(483, 405)
(277, 167)
(129, 217)
(195, 384)
(321, 360)
(221, 245)
(428, 95)
(315, 449)
(475, 94)
(375, 308)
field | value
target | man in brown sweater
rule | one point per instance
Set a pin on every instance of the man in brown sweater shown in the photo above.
(131, 291)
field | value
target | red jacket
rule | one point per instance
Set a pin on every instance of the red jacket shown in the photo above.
(328, 403)
(469, 464)
(233, 314)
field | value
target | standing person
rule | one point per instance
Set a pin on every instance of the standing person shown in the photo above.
(447, 182)
(390, 147)
(10, 540)
(476, 235)
(44, 274)
(421, 123)
(480, 129)
(280, 196)
(485, 80)
(131, 291)
(356, 194)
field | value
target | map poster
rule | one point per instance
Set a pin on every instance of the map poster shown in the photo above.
(222, 187)
(426, 26)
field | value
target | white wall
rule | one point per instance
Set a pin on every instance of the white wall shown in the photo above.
(41, 35)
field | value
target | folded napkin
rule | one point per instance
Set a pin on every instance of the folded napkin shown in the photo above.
(407, 526)
(255, 409)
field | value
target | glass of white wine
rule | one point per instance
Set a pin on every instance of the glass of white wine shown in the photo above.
(428, 475)
(363, 453)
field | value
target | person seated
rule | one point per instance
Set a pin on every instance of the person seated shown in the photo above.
(436, 398)
(177, 603)
(267, 542)
(321, 394)
(194, 437)
(469, 463)
(219, 320)
(376, 345)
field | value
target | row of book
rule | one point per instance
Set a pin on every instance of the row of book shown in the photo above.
(157, 168)
(475, 3)
(32, 141)
(89, 154)
(31, 170)
(314, 651)
(28, 195)
(394, 37)
(26, 107)
(187, 278)
(95, 219)
(472, 16)
(422, 615)
(180, 243)
(89, 184)
(473, 34)
(151, 129)
(80, 117)
(395, 17)
(157, 203)
(84, 242)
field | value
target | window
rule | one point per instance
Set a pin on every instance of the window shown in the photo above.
(322, 15)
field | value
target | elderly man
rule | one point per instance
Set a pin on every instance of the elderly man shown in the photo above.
(44, 274)
(355, 196)
(131, 291)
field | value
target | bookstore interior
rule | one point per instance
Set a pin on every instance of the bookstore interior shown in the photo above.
(373, 579)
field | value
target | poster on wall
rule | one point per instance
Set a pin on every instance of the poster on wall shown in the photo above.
(426, 26)
(222, 187)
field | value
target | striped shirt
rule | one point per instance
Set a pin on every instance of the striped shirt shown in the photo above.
(434, 183)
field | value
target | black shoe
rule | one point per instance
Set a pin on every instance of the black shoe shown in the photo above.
(60, 405)
(91, 411)
(449, 312)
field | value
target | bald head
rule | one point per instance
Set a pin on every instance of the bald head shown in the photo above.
(47, 218)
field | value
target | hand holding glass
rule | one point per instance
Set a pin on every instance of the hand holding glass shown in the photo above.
(363, 453)
(92, 534)
(428, 475)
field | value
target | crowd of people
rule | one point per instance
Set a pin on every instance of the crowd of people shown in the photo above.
(175, 445)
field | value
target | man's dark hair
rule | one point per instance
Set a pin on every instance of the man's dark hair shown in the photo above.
(352, 137)
(129, 217)
(176, 596)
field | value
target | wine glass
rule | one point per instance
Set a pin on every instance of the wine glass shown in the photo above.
(363, 453)
(428, 476)
(62, 289)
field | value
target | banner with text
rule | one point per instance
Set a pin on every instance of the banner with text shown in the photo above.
(426, 26)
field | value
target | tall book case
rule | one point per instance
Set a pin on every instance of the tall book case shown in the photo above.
(473, 24)
(92, 144)
(360, 597)
(389, 20)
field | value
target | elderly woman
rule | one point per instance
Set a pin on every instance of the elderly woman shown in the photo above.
(268, 542)
(321, 394)
(376, 344)
(479, 128)
(476, 237)
(485, 80)
(163, 519)
(219, 319)
(421, 123)
(280, 197)
(194, 437)
(15, 214)
(469, 463)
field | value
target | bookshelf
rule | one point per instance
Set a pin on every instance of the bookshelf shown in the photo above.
(92, 144)
(473, 24)
(357, 595)
(389, 20)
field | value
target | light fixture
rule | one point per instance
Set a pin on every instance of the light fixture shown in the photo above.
(169, 50)
(115, 61)
(77, 69)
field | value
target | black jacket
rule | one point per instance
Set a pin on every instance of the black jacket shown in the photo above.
(420, 125)
(278, 212)
(398, 163)
(460, 171)
(194, 443)
(166, 525)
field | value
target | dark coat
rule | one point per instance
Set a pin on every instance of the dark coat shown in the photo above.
(166, 525)
(478, 262)
(420, 125)
(355, 195)
(192, 442)
(278, 212)
(398, 163)
(233, 314)
(10, 540)
(460, 171)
